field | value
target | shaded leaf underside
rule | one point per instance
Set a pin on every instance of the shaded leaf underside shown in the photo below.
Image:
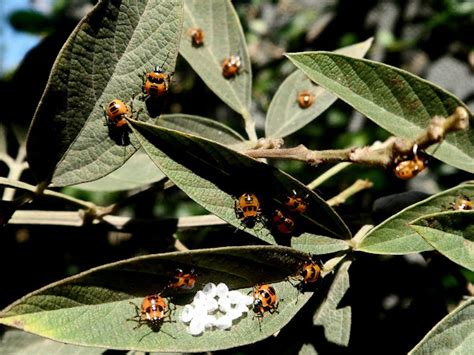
(215, 176)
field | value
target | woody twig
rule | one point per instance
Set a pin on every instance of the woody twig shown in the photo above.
(356, 187)
(383, 155)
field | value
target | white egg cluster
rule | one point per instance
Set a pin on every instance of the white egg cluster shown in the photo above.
(215, 307)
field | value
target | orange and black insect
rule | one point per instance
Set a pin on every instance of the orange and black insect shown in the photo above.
(156, 83)
(296, 204)
(247, 209)
(153, 312)
(231, 66)
(411, 167)
(182, 280)
(264, 300)
(197, 36)
(116, 112)
(462, 204)
(305, 99)
(309, 274)
(281, 223)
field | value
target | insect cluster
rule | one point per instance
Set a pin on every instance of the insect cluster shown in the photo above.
(155, 308)
(217, 307)
(281, 220)
(156, 83)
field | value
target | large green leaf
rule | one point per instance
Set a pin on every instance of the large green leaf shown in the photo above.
(336, 318)
(138, 171)
(201, 127)
(93, 307)
(23, 343)
(451, 233)
(454, 334)
(223, 37)
(398, 101)
(318, 244)
(396, 236)
(103, 59)
(215, 176)
(285, 116)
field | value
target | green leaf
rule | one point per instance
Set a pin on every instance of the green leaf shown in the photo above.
(137, 171)
(307, 349)
(223, 37)
(318, 244)
(103, 59)
(215, 176)
(454, 334)
(23, 343)
(201, 127)
(93, 307)
(332, 315)
(396, 100)
(284, 114)
(451, 233)
(396, 236)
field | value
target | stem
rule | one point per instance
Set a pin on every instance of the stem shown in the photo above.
(386, 155)
(40, 191)
(356, 187)
(360, 235)
(327, 175)
(249, 126)
(363, 155)
(437, 129)
(75, 219)
(16, 168)
(330, 265)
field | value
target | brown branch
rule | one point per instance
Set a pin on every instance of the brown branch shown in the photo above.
(384, 155)
(365, 155)
(436, 131)
(356, 187)
(120, 223)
